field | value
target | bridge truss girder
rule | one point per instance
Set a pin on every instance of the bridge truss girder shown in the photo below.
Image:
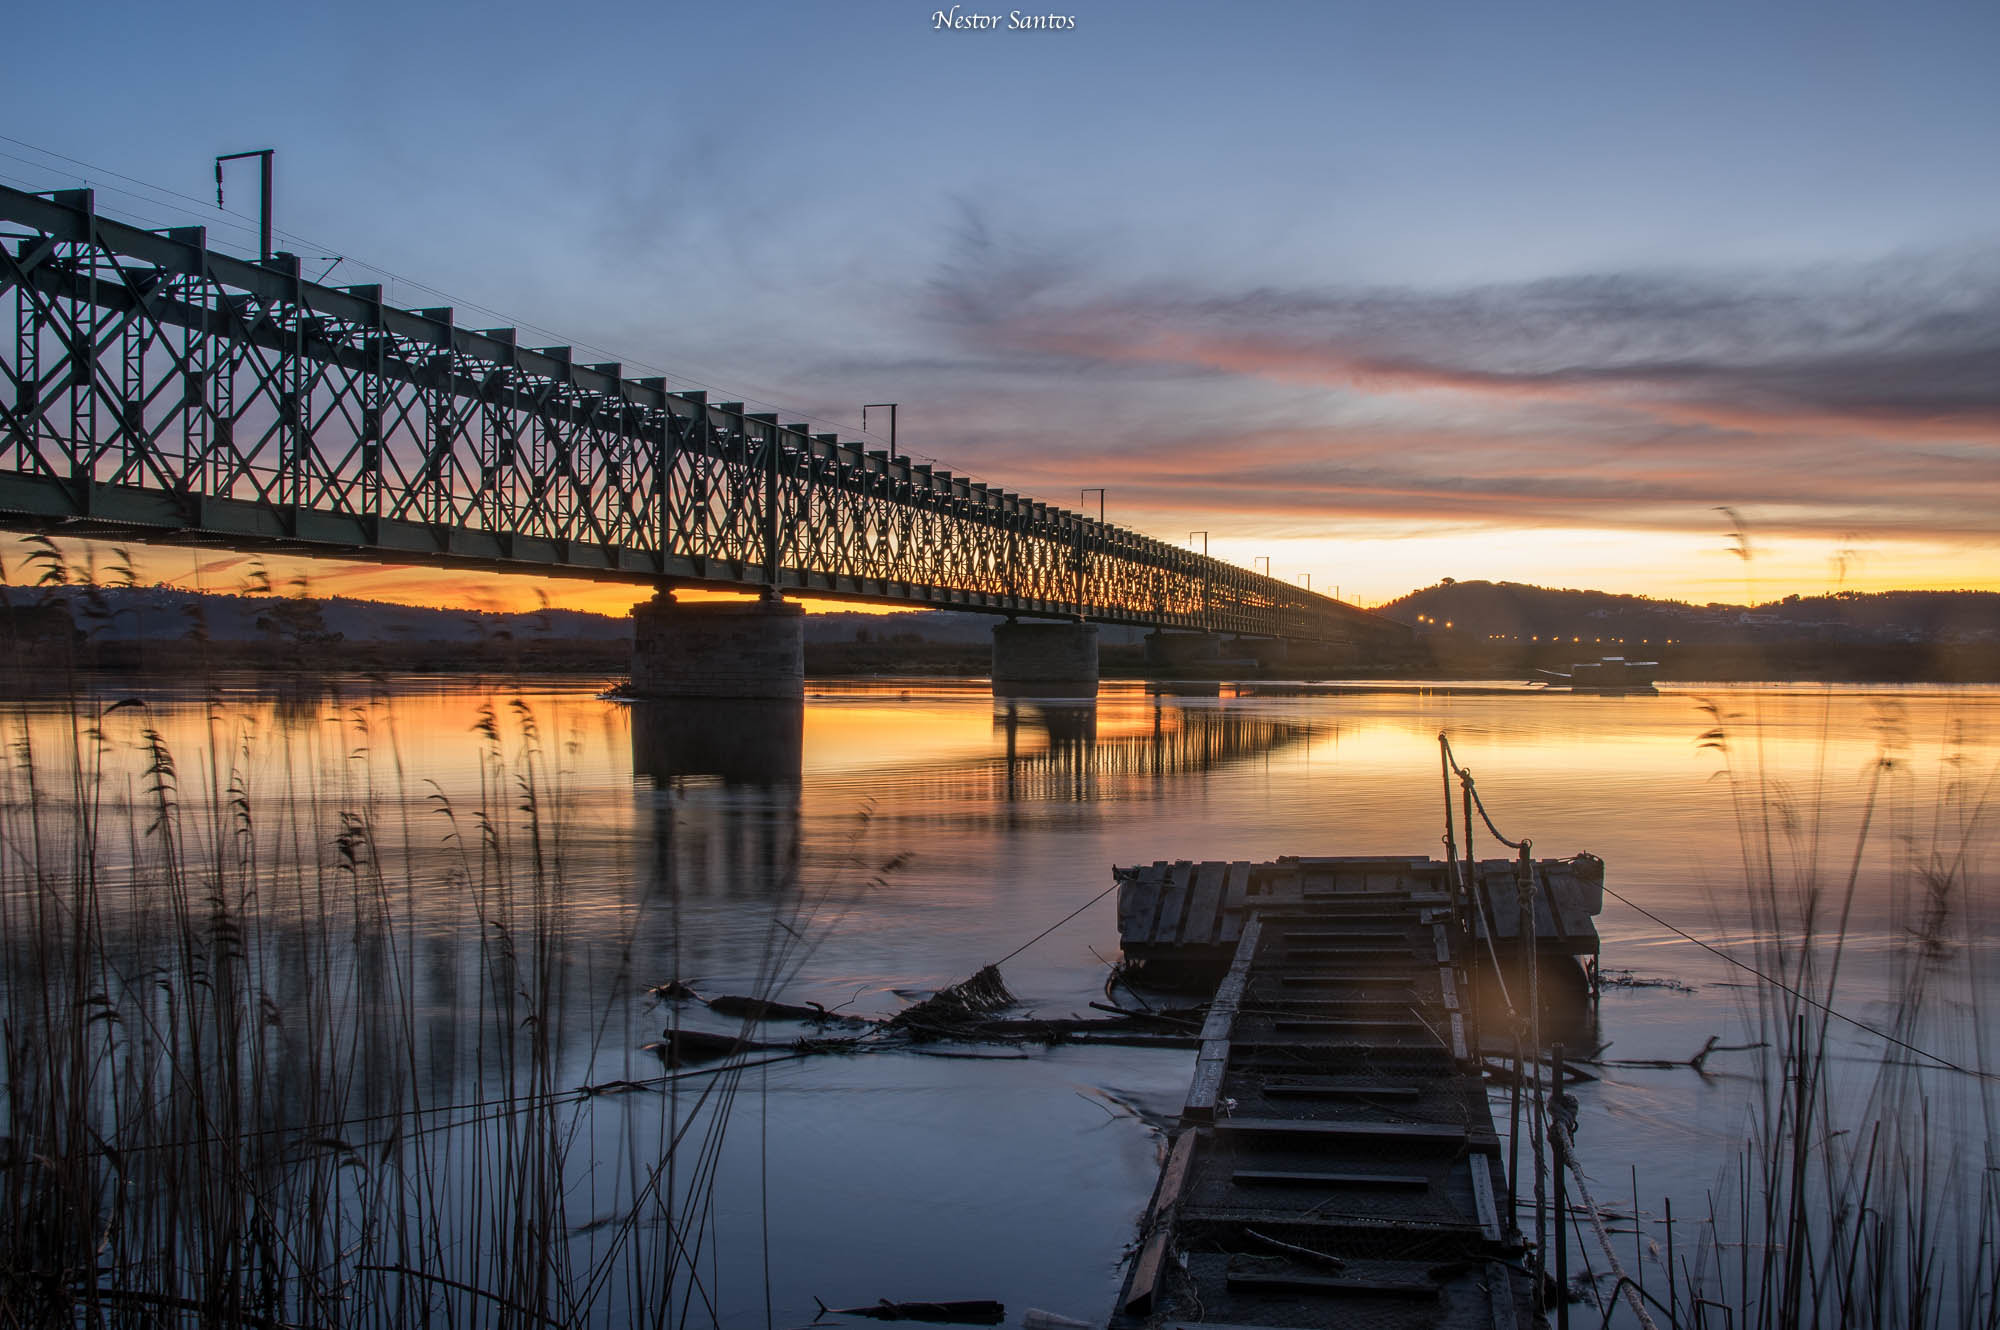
(155, 389)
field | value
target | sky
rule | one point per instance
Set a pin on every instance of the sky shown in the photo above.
(1384, 292)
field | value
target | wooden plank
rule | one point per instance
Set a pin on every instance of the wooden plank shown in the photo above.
(1235, 901)
(1503, 901)
(1206, 903)
(1307, 1025)
(1229, 993)
(1566, 896)
(1173, 903)
(1449, 985)
(1205, 1089)
(1546, 928)
(1458, 1049)
(1360, 953)
(1263, 1177)
(1173, 1181)
(1443, 944)
(1219, 1023)
(1246, 946)
(1402, 1092)
(1237, 885)
(1500, 1295)
(1139, 904)
(1482, 1198)
(1331, 1284)
(1403, 1133)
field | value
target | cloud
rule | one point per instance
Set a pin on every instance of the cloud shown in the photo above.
(1835, 400)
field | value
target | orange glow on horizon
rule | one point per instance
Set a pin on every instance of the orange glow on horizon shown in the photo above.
(1369, 565)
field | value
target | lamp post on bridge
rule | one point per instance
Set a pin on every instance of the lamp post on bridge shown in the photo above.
(879, 406)
(1266, 560)
(1204, 573)
(264, 155)
(1307, 578)
(1099, 492)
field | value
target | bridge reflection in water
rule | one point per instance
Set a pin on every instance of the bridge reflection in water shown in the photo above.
(1076, 759)
(726, 777)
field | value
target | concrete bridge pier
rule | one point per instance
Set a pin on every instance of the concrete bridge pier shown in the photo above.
(1266, 651)
(719, 649)
(1172, 650)
(1044, 659)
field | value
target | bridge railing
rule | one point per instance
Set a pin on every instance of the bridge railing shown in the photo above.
(154, 388)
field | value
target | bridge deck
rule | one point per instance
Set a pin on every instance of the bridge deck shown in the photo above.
(154, 389)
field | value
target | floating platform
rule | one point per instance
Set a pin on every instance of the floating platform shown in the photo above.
(1189, 916)
(1335, 1161)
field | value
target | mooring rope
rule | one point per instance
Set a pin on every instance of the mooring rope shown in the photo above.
(1059, 923)
(1942, 1062)
(1566, 1146)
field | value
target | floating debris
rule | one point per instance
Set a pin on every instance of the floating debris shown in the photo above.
(763, 1009)
(1632, 979)
(978, 996)
(976, 1312)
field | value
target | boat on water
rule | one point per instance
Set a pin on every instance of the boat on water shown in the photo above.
(1606, 674)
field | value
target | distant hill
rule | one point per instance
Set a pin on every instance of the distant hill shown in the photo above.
(1515, 611)
(168, 613)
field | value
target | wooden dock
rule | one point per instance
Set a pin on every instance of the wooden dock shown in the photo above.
(1191, 914)
(1335, 1162)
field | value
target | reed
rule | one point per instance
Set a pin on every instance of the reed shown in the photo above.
(1863, 1190)
(288, 1037)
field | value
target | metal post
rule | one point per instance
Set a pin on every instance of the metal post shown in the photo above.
(264, 213)
(1524, 887)
(1514, 1140)
(891, 408)
(265, 156)
(1673, 1291)
(771, 527)
(1557, 1159)
(1450, 835)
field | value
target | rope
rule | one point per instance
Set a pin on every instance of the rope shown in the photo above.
(1884, 1035)
(1058, 923)
(1465, 778)
(1560, 1134)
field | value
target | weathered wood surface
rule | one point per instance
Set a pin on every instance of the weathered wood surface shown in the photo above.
(1193, 913)
(1339, 1111)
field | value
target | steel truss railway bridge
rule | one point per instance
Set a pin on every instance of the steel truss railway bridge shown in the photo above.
(153, 389)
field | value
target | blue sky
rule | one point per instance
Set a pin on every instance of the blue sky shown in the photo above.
(1386, 291)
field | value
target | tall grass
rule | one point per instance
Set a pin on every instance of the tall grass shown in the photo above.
(289, 1037)
(1864, 1189)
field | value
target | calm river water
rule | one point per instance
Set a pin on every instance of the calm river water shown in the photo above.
(932, 830)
